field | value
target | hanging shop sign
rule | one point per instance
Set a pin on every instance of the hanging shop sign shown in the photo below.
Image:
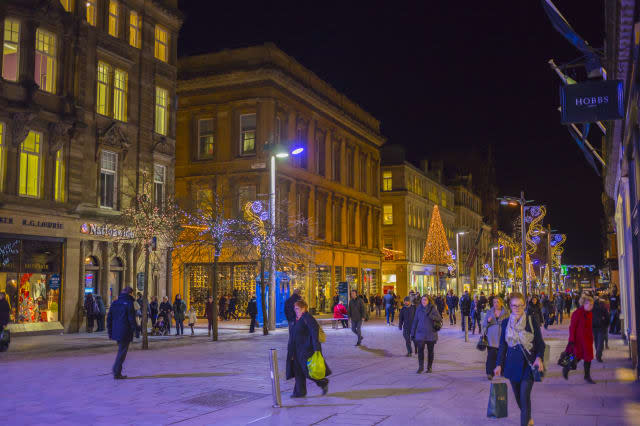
(592, 101)
(105, 231)
(54, 282)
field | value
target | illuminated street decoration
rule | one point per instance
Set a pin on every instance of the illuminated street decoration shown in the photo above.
(436, 249)
(534, 216)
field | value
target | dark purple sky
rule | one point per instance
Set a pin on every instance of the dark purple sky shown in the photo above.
(441, 77)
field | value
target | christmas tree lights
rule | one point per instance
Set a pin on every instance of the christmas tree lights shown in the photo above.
(436, 249)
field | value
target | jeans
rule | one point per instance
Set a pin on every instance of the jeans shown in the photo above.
(179, 327)
(522, 392)
(378, 309)
(407, 342)
(430, 355)
(389, 312)
(558, 318)
(355, 327)
(209, 326)
(345, 323)
(452, 315)
(492, 357)
(300, 388)
(476, 320)
(123, 347)
(252, 325)
(614, 327)
(598, 340)
(546, 320)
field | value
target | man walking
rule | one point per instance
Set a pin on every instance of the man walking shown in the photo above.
(356, 314)
(559, 305)
(252, 311)
(465, 310)
(405, 318)
(121, 325)
(600, 324)
(614, 307)
(451, 304)
(289, 312)
(389, 306)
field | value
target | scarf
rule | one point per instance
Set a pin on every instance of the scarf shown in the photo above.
(516, 333)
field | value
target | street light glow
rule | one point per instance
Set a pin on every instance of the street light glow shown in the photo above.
(297, 150)
(282, 155)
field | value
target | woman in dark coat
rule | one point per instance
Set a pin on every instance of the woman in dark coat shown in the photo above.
(423, 332)
(535, 309)
(581, 337)
(153, 310)
(303, 342)
(407, 314)
(4, 311)
(90, 311)
(521, 350)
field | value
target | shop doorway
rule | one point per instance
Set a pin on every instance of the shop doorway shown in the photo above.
(91, 273)
(116, 270)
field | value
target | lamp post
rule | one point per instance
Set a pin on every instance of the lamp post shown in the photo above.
(459, 279)
(493, 274)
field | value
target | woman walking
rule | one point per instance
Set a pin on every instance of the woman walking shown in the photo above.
(193, 318)
(424, 333)
(492, 325)
(521, 351)
(535, 309)
(581, 337)
(179, 310)
(475, 315)
(303, 343)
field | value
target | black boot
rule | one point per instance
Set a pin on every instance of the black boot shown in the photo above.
(565, 372)
(420, 369)
(587, 373)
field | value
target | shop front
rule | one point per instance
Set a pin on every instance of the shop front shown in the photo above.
(322, 286)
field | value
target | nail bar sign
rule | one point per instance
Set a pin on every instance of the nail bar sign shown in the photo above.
(592, 101)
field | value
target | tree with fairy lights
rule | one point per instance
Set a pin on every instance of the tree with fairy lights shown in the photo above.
(152, 225)
(436, 249)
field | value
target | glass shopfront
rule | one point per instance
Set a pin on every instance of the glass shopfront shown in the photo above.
(351, 276)
(31, 277)
(323, 288)
(370, 282)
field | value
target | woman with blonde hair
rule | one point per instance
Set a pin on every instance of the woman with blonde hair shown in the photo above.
(581, 337)
(492, 326)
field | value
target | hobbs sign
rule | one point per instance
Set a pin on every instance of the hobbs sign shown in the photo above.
(592, 101)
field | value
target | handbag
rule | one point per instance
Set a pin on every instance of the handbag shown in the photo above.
(567, 360)
(483, 343)
(437, 324)
(498, 406)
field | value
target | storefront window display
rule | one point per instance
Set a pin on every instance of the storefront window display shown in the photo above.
(388, 283)
(351, 276)
(199, 287)
(370, 281)
(31, 277)
(337, 274)
(323, 286)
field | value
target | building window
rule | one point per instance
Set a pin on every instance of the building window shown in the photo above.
(321, 216)
(162, 110)
(10, 50)
(30, 165)
(67, 4)
(387, 181)
(45, 69)
(376, 229)
(387, 214)
(352, 223)
(336, 162)
(159, 186)
(2, 157)
(247, 134)
(104, 88)
(321, 154)
(337, 220)
(204, 200)
(350, 167)
(108, 179)
(205, 138)
(444, 199)
(363, 173)
(246, 194)
(278, 131)
(302, 207)
(135, 39)
(91, 12)
(114, 16)
(59, 187)
(162, 44)
(120, 81)
(364, 227)
(300, 160)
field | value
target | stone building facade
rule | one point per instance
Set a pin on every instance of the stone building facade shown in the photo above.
(86, 113)
(231, 104)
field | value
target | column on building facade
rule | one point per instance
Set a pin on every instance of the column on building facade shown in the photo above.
(72, 308)
(105, 255)
(27, 55)
(311, 200)
(329, 215)
(310, 149)
(343, 161)
(356, 167)
(328, 154)
(128, 263)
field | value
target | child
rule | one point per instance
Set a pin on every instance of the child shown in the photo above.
(193, 317)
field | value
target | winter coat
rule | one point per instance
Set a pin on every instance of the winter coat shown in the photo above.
(121, 321)
(193, 316)
(407, 314)
(422, 328)
(101, 309)
(514, 365)
(465, 305)
(153, 308)
(389, 300)
(179, 310)
(289, 313)
(558, 303)
(89, 305)
(4, 312)
(207, 310)
(356, 309)
(600, 315)
(581, 335)
(482, 300)
(303, 342)
(492, 326)
(252, 308)
(339, 311)
(166, 307)
(451, 302)
(535, 310)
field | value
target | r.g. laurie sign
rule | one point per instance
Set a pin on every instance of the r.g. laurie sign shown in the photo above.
(592, 101)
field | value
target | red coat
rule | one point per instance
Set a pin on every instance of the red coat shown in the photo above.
(339, 312)
(581, 334)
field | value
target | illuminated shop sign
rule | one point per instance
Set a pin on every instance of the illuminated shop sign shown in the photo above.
(42, 224)
(592, 101)
(105, 231)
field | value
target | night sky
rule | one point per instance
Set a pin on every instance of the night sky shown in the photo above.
(442, 77)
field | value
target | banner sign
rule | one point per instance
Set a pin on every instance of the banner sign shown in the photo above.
(592, 101)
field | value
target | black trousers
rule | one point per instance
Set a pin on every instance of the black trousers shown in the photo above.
(123, 348)
(407, 341)
(100, 319)
(430, 354)
(492, 357)
(300, 388)
(468, 321)
(89, 323)
(522, 392)
(252, 326)
(599, 335)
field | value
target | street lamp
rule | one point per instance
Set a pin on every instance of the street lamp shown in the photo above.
(459, 279)
(493, 274)
(275, 151)
(513, 201)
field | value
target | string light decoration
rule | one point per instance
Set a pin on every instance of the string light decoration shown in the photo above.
(557, 240)
(436, 249)
(534, 216)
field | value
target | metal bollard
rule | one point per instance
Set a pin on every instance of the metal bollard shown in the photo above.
(275, 379)
(465, 323)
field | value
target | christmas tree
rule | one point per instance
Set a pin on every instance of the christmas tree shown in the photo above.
(436, 250)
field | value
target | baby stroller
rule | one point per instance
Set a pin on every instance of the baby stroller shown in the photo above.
(161, 328)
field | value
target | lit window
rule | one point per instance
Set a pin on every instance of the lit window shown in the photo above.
(91, 12)
(120, 95)
(248, 133)
(444, 199)
(134, 29)
(387, 181)
(387, 214)
(162, 44)
(113, 18)
(205, 137)
(59, 186)
(104, 88)
(2, 156)
(29, 185)
(45, 69)
(67, 4)
(204, 200)
(162, 110)
(159, 179)
(10, 50)
(108, 174)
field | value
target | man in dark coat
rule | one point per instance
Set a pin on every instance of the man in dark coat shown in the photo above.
(121, 325)
(465, 310)
(614, 307)
(208, 312)
(153, 310)
(167, 309)
(405, 319)
(101, 311)
(4, 311)
(389, 306)
(599, 323)
(289, 312)
(222, 307)
(356, 313)
(252, 311)
(89, 309)
(452, 305)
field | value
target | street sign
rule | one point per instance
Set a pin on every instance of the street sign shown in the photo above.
(592, 101)
(140, 281)
(54, 282)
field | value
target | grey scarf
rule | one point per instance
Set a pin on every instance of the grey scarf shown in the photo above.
(517, 334)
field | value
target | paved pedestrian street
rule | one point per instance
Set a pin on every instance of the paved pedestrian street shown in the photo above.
(190, 380)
